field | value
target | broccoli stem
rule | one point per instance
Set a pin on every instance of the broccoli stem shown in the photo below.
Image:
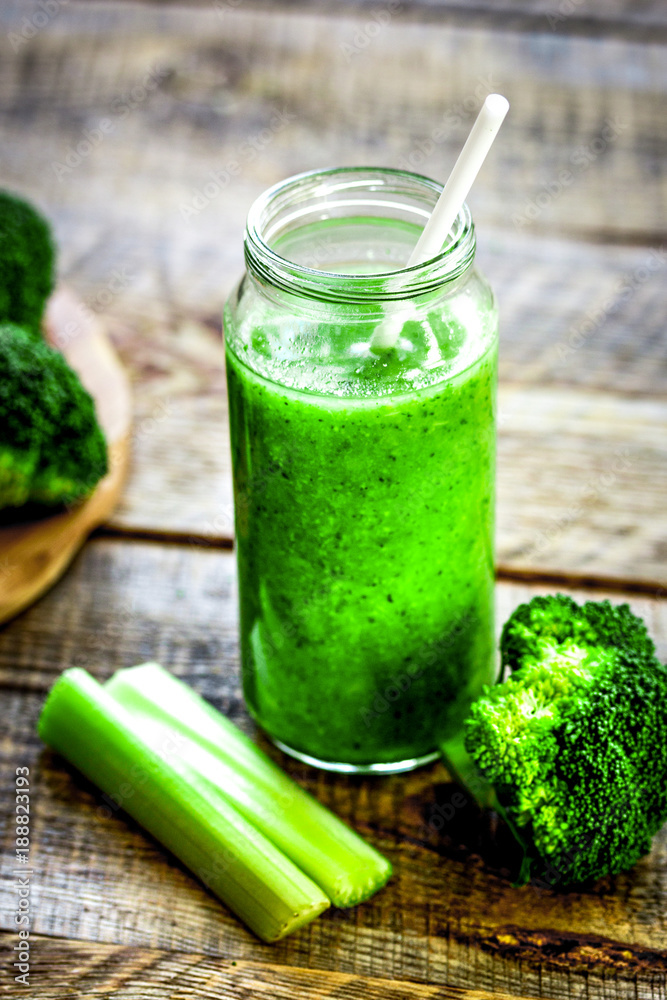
(464, 771)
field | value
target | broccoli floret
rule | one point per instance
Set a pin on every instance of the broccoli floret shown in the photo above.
(52, 450)
(27, 263)
(574, 741)
(557, 619)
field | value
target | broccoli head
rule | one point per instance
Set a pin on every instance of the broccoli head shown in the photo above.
(52, 450)
(27, 263)
(574, 740)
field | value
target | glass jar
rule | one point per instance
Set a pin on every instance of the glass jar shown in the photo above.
(363, 477)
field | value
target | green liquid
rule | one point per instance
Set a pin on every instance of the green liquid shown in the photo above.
(364, 527)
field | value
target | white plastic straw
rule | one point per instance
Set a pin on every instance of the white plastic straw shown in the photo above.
(449, 203)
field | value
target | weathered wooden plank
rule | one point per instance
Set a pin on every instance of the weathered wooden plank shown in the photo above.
(186, 92)
(62, 969)
(624, 19)
(173, 603)
(527, 15)
(580, 490)
(579, 315)
(573, 314)
(449, 915)
(581, 480)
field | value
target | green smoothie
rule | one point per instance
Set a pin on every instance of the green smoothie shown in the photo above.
(364, 493)
(363, 475)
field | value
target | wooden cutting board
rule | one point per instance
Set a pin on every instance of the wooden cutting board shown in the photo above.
(34, 554)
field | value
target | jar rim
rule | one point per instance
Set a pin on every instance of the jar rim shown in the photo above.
(268, 266)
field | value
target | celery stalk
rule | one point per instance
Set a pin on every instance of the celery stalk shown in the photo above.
(89, 727)
(345, 867)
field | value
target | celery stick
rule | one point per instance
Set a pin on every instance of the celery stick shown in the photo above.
(256, 880)
(347, 868)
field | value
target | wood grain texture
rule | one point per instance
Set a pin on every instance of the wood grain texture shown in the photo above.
(186, 92)
(614, 18)
(581, 480)
(34, 554)
(581, 475)
(64, 969)
(192, 97)
(450, 914)
(609, 341)
(280, 88)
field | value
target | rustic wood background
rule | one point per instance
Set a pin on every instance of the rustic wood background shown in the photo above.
(571, 211)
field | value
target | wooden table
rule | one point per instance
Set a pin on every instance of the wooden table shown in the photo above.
(571, 213)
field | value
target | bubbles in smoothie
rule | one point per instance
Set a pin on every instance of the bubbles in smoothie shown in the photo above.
(322, 347)
(336, 359)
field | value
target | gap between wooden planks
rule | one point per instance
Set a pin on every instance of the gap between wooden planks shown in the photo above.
(610, 584)
(223, 79)
(450, 915)
(623, 19)
(581, 483)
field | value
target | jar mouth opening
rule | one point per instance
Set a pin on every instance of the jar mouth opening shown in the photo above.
(382, 195)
